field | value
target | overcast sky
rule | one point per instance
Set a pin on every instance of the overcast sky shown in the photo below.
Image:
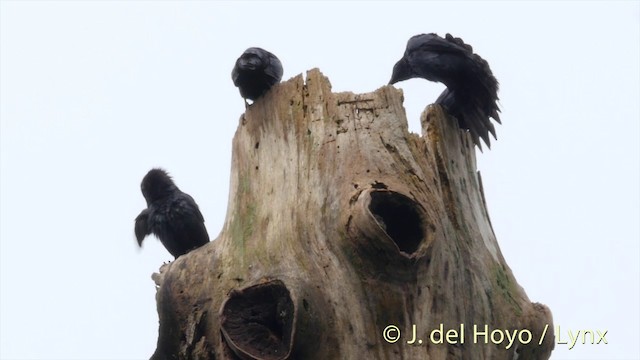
(94, 94)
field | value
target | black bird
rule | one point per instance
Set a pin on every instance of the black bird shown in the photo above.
(255, 72)
(472, 90)
(171, 215)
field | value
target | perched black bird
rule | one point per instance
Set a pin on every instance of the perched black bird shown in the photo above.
(472, 90)
(171, 215)
(255, 72)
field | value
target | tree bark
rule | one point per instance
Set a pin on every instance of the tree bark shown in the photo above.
(343, 231)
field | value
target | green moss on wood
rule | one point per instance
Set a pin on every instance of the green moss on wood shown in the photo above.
(506, 288)
(244, 220)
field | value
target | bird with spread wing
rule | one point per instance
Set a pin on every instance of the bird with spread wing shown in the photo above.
(472, 91)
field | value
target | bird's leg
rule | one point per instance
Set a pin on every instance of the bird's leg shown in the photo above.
(246, 104)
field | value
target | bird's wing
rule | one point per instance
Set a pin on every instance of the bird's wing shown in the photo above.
(274, 67)
(185, 205)
(437, 44)
(469, 116)
(141, 227)
(189, 216)
(458, 41)
(234, 74)
(437, 59)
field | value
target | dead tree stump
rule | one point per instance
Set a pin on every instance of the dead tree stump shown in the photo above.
(343, 231)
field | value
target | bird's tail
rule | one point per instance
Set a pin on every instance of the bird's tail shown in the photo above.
(476, 103)
(472, 114)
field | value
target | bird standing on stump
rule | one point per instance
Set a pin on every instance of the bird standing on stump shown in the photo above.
(171, 215)
(255, 72)
(472, 90)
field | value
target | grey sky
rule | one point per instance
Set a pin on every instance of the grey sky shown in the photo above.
(94, 94)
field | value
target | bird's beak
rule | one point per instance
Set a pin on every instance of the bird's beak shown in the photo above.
(395, 76)
(401, 71)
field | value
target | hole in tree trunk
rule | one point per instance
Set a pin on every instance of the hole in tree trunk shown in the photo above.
(399, 217)
(257, 322)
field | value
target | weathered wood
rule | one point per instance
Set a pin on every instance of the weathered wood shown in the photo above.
(340, 223)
